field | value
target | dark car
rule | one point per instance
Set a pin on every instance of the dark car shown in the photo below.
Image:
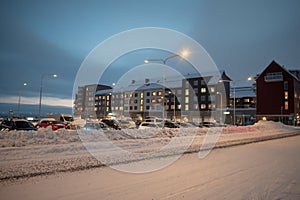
(17, 124)
(112, 123)
(169, 124)
(44, 123)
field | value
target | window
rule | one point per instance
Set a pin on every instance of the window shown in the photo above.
(186, 99)
(147, 100)
(274, 76)
(186, 107)
(141, 101)
(179, 107)
(159, 100)
(148, 94)
(135, 101)
(247, 100)
(135, 107)
(159, 93)
(286, 85)
(153, 93)
(286, 105)
(147, 107)
(203, 106)
(186, 92)
(203, 98)
(203, 90)
(212, 89)
(142, 94)
(136, 94)
(141, 108)
(286, 95)
(153, 100)
(195, 82)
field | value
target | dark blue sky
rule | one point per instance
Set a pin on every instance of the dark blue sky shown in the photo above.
(38, 37)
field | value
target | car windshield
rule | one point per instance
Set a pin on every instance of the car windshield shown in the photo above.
(23, 124)
(69, 119)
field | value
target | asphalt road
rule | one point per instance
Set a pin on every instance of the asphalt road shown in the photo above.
(265, 170)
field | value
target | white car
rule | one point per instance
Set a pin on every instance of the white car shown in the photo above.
(146, 125)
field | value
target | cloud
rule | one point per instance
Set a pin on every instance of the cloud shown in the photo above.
(50, 101)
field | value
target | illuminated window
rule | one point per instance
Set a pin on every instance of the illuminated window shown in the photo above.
(186, 92)
(141, 101)
(247, 100)
(286, 95)
(203, 90)
(153, 93)
(179, 107)
(153, 100)
(159, 100)
(142, 94)
(203, 106)
(95, 109)
(141, 108)
(186, 107)
(212, 89)
(286, 105)
(159, 93)
(186, 99)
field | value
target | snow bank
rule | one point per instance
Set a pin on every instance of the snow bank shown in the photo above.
(45, 136)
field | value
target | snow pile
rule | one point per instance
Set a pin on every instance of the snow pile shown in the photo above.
(45, 136)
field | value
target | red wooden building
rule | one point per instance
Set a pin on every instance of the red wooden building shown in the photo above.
(278, 94)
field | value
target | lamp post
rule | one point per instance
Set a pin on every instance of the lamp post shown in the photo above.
(19, 102)
(182, 54)
(221, 107)
(234, 94)
(41, 91)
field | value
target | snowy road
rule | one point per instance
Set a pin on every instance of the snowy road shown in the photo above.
(265, 170)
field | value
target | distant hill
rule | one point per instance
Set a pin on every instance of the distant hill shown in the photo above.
(29, 110)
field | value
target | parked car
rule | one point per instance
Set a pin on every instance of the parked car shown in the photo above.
(185, 125)
(127, 124)
(146, 125)
(89, 126)
(112, 123)
(17, 124)
(169, 124)
(44, 123)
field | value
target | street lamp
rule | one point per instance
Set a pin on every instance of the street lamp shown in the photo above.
(221, 107)
(234, 94)
(183, 54)
(19, 102)
(41, 91)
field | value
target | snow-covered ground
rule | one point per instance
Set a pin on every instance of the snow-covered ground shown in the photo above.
(29, 153)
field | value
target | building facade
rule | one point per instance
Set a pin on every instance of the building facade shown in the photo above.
(84, 104)
(278, 94)
(196, 98)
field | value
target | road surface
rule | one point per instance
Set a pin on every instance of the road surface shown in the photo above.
(265, 170)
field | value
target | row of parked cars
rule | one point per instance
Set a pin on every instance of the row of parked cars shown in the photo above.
(22, 124)
(106, 124)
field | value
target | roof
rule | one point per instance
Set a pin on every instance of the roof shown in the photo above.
(293, 73)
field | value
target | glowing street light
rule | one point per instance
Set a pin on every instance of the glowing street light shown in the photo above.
(41, 91)
(183, 54)
(19, 102)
